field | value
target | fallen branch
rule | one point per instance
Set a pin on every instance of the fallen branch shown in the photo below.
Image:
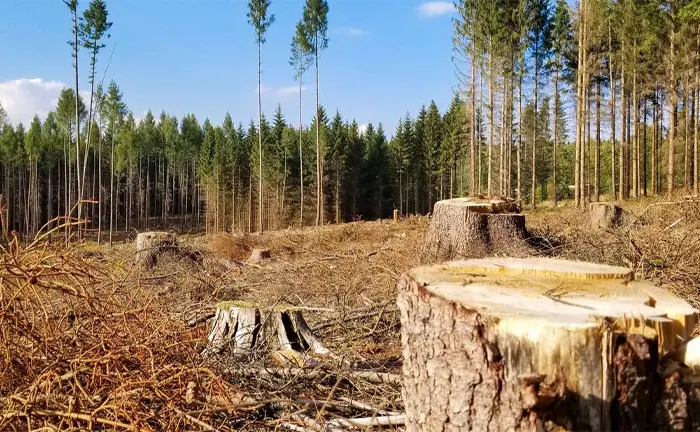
(369, 376)
(395, 420)
(366, 407)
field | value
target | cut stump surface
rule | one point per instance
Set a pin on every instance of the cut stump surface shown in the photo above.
(526, 344)
(463, 228)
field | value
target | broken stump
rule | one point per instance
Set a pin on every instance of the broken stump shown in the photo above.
(605, 215)
(258, 256)
(463, 228)
(537, 344)
(241, 328)
(150, 245)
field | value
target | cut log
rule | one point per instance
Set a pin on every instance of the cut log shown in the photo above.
(535, 344)
(605, 215)
(463, 228)
(150, 245)
(240, 328)
(258, 256)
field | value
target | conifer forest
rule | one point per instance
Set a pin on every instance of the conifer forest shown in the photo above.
(554, 101)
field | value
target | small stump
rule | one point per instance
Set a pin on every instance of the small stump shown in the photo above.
(537, 344)
(464, 228)
(605, 215)
(241, 328)
(150, 245)
(258, 256)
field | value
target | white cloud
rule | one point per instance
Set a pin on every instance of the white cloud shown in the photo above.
(352, 31)
(281, 91)
(23, 98)
(435, 8)
(362, 129)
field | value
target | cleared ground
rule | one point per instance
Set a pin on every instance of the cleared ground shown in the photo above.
(87, 338)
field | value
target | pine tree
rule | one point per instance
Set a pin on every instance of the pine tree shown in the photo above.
(94, 26)
(259, 19)
(313, 42)
(562, 37)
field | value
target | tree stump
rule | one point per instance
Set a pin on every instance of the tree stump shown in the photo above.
(605, 215)
(463, 228)
(258, 256)
(537, 344)
(242, 327)
(150, 245)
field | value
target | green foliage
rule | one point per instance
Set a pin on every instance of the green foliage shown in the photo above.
(258, 17)
(32, 140)
(314, 37)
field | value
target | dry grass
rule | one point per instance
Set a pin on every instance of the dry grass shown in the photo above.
(90, 342)
(659, 239)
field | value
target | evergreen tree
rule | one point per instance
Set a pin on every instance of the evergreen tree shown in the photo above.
(259, 19)
(313, 42)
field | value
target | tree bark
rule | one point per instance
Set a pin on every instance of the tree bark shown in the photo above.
(470, 228)
(489, 344)
(240, 328)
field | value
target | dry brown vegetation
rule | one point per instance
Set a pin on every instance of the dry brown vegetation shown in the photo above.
(89, 341)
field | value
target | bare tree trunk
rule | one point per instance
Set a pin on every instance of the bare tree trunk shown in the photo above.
(556, 136)
(654, 145)
(613, 125)
(520, 134)
(533, 196)
(623, 142)
(686, 153)
(319, 161)
(77, 110)
(596, 180)
(472, 135)
(672, 125)
(492, 72)
(578, 187)
(260, 139)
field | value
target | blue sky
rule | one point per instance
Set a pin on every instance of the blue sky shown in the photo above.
(385, 57)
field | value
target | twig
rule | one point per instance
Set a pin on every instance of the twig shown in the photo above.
(366, 407)
(200, 319)
(369, 376)
(395, 420)
(196, 421)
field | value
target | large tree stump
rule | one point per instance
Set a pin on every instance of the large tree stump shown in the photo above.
(537, 344)
(464, 228)
(605, 215)
(241, 328)
(150, 245)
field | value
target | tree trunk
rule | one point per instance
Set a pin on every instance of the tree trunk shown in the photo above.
(471, 228)
(260, 150)
(556, 136)
(472, 134)
(613, 125)
(492, 72)
(654, 146)
(533, 195)
(490, 344)
(672, 123)
(319, 163)
(519, 192)
(596, 169)
(578, 187)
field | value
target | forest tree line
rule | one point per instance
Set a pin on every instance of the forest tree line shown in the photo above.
(598, 101)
